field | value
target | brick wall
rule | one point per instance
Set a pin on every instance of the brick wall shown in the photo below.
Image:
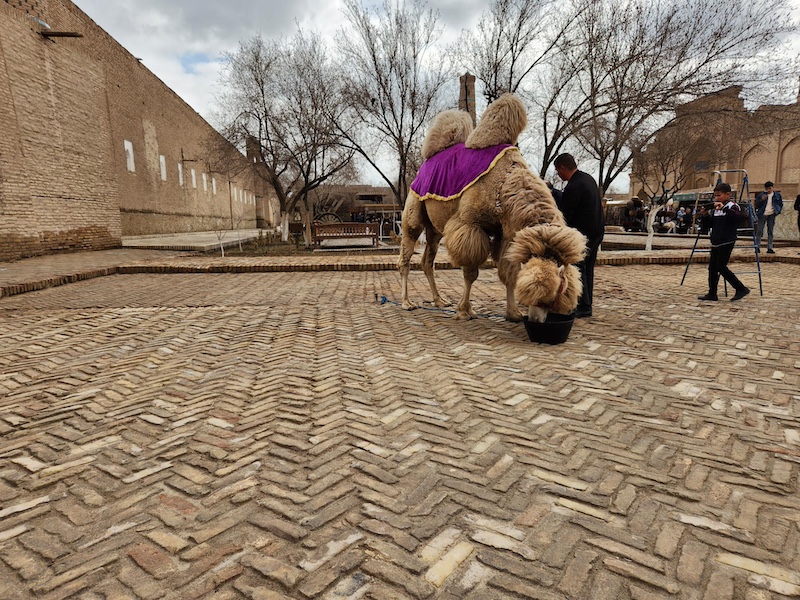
(157, 122)
(35, 8)
(67, 108)
(57, 188)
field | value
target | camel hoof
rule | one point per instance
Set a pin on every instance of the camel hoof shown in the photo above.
(465, 316)
(408, 305)
(441, 303)
(514, 318)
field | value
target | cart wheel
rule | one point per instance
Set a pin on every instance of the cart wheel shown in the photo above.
(327, 217)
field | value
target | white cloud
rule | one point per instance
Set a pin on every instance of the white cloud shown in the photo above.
(181, 41)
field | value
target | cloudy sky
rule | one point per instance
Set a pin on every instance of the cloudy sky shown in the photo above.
(181, 40)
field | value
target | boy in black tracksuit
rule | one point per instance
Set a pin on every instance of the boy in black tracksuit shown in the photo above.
(725, 220)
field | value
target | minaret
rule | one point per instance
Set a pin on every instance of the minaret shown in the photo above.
(466, 100)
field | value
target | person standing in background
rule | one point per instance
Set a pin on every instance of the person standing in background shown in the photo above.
(769, 205)
(704, 220)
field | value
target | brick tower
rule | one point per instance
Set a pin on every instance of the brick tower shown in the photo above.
(466, 99)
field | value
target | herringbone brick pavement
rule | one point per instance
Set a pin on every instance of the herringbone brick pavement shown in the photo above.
(287, 435)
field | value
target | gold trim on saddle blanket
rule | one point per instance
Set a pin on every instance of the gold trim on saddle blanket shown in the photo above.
(432, 196)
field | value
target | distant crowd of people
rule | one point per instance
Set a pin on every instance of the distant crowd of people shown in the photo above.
(687, 219)
(684, 220)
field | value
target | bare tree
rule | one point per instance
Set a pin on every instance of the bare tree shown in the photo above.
(531, 48)
(332, 196)
(560, 98)
(316, 148)
(511, 40)
(394, 80)
(600, 76)
(658, 54)
(665, 166)
(278, 103)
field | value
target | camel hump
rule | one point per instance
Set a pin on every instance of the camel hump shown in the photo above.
(448, 128)
(501, 123)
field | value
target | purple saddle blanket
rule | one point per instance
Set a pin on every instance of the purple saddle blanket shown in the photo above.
(447, 174)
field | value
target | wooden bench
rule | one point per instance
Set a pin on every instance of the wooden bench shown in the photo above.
(346, 232)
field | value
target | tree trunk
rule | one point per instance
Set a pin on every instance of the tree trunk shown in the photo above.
(307, 232)
(651, 219)
(285, 226)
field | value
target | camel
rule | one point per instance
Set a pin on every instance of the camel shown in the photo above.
(505, 211)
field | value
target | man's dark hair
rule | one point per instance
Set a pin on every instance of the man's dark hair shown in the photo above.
(769, 184)
(723, 187)
(565, 160)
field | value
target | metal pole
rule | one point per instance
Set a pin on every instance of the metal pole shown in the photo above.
(686, 270)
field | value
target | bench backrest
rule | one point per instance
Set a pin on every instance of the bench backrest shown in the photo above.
(345, 229)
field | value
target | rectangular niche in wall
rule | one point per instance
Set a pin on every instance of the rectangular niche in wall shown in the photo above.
(194, 179)
(205, 182)
(129, 162)
(163, 162)
(180, 174)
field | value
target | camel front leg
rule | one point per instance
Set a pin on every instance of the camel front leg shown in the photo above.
(428, 260)
(508, 274)
(412, 228)
(513, 313)
(465, 312)
(404, 266)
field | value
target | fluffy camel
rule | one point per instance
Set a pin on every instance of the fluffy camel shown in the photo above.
(499, 208)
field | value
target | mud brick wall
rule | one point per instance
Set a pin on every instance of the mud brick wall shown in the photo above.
(35, 8)
(67, 108)
(57, 189)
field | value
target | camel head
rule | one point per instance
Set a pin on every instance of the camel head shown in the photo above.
(548, 279)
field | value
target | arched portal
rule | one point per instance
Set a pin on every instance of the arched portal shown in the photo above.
(758, 165)
(790, 162)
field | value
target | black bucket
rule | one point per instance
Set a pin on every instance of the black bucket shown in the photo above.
(554, 330)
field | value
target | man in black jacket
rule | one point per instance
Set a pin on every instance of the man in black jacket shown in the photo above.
(583, 209)
(725, 220)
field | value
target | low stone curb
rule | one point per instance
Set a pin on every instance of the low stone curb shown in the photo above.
(32, 286)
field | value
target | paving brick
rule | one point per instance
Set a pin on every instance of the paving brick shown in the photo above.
(418, 588)
(720, 585)
(692, 562)
(158, 564)
(168, 540)
(577, 573)
(44, 544)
